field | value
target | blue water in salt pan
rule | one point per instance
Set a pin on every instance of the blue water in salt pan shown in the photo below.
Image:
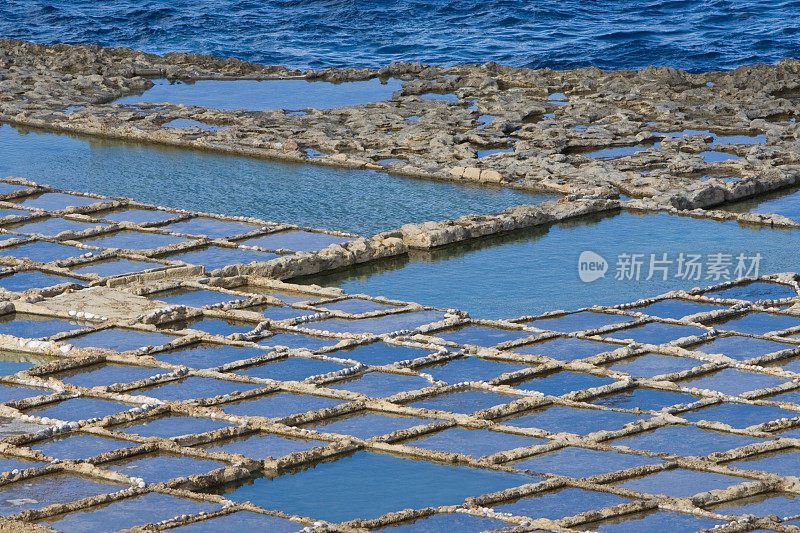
(782, 202)
(189, 123)
(652, 521)
(237, 522)
(22, 281)
(261, 95)
(536, 270)
(443, 97)
(356, 486)
(152, 507)
(357, 201)
(681, 482)
(42, 251)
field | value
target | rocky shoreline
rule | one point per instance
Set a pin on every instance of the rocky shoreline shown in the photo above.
(547, 120)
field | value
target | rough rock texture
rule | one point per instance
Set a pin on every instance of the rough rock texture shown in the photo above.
(549, 122)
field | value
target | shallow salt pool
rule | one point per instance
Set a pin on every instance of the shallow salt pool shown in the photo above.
(536, 270)
(257, 95)
(358, 201)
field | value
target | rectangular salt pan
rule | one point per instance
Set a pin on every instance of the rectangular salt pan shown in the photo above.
(212, 257)
(758, 323)
(80, 446)
(477, 443)
(193, 297)
(385, 324)
(116, 267)
(524, 287)
(13, 362)
(557, 419)
(684, 440)
(278, 405)
(652, 364)
(210, 227)
(738, 415)
(464, 402)
(755, 291)
(655, 333)
(132, 240)
(367, 424)
(560, 503)
(381, 384)
(50, 227)
(565, 349)
(481, 336)
(79, 409)
(47, 490)
(742, 348)
(470, 369)
(22, 281)
(780, 504)
(193, 387)
(295, 340)
(241, 521)
(263, 446)
(55, 201)
(355, 306)
(281, 312)
(158, 468)
(297, 241)
(380, 354)
(581, 321)
(356, 486)
(463, 523)
(105, 374)
(680, 482)
(648, 399)
(207, 355)
(124, 514)
(42, 251)
(673, 308)
(137, 216)
(147, 172)
(732, 382)
(171, 426)
(9, 393)
(651, 521)
(582, 462)
(291, 369)
(212, 326)
(121, 340)
(563, 382)
(35, 326)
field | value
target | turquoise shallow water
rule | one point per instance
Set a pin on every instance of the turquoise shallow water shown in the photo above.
(357, 201)
(536, 270)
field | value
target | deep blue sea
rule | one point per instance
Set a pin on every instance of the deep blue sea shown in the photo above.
(610, 34)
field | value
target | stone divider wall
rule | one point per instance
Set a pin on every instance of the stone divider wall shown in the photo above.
(426, 235)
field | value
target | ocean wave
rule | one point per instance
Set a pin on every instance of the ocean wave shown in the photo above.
(697, 36)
